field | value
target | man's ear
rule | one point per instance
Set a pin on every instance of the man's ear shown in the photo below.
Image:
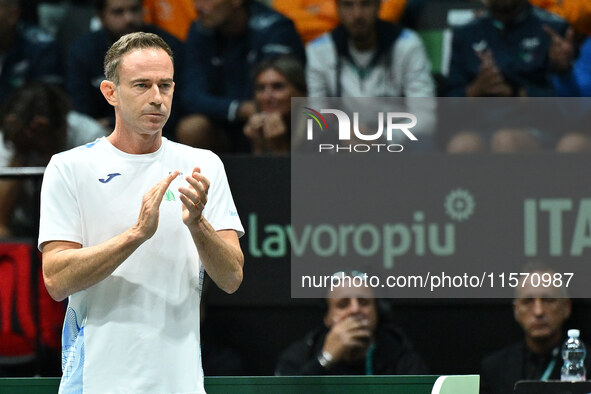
(109, 90)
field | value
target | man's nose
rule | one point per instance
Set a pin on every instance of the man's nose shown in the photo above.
(354, 307)
(156, 98)
(357, 10)
(538, 306)
(129, 16)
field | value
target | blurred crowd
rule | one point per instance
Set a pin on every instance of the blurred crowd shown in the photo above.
(239, 63)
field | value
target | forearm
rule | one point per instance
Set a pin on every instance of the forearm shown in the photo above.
(220, 254)
(68, 269)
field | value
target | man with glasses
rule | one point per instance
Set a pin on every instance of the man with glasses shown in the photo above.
(541, 312)
(355, 339)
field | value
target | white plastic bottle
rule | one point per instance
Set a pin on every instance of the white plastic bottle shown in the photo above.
(573, 354)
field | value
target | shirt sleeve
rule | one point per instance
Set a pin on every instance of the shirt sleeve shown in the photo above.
(60, 218)
(220, 209)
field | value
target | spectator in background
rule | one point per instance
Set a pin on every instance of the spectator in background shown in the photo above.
(367, 57)
(356, 339)
(576, 12)
(578, 82)
(84, 62)
(276, 81)
(313, 18)
(35, 123)
(224, 44)
(26, 52)
(173, 16)
(541, 312)
(511, 52)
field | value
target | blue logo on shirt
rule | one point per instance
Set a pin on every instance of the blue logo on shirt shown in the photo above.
(110, 176)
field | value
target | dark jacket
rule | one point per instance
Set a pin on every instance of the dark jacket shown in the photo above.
(520, 50)
(393, 355)
(218, 70)
(501, 370)
(33, 56)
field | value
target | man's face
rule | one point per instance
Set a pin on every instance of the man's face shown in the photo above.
(215, 13)
(358, 17)
(351, 302)
(122, 17)
(540, 311)
(144, 95)
(9, 15)
(504, 7)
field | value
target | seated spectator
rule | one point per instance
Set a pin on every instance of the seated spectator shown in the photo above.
(173, 16)
(541, 312)
(511, 52)
(574, 142)
(276, 81)
(85, 57)
(313, 18)
(355, 339)
(578, 82)
(223, 46)
(35, 123)
(576, 12)
(367, 57)
(26, 52)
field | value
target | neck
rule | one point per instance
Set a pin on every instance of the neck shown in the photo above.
(135, 143)
(543, 346)
(509, 15)
(238, 23)
(365, 43)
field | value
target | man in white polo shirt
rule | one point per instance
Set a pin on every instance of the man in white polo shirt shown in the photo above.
(133, 267)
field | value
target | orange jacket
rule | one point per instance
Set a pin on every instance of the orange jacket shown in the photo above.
(576, 12)
(315, 17)
(174, 16)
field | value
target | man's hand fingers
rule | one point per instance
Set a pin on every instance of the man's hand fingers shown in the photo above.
(486, 56)
(158, 191)
(570, 35)
(551, 32)
(201, 178)
(197, 192)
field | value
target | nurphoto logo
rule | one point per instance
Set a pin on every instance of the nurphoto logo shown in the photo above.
(352, 137)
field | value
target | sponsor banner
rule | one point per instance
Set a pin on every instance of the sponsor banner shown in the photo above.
(412, 225)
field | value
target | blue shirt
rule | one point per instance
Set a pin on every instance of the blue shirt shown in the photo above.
(578, 82)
